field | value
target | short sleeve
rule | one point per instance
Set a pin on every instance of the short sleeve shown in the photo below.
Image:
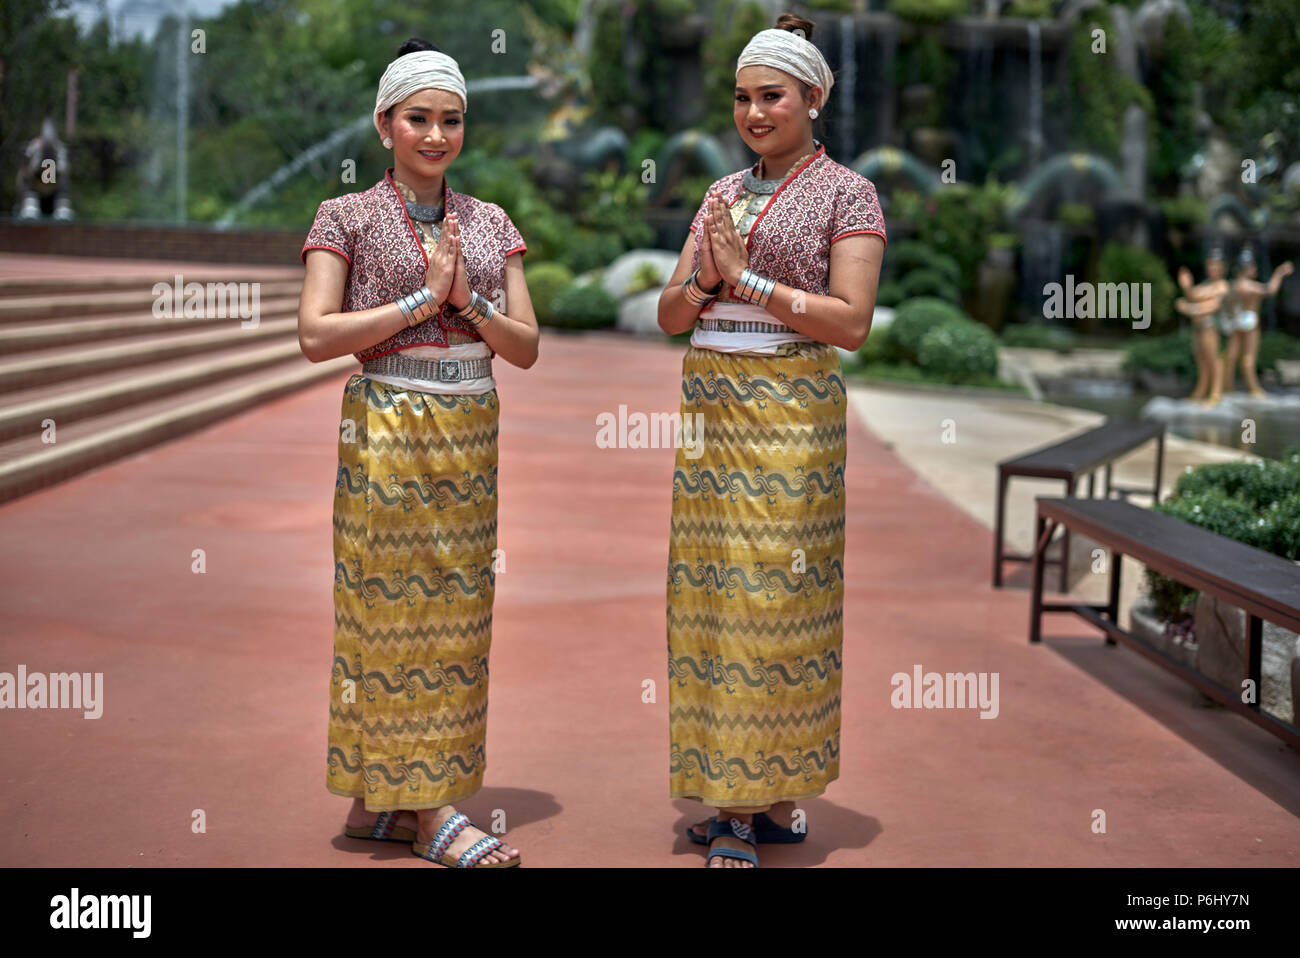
(858, 211)
(327, 232)
(512, 241)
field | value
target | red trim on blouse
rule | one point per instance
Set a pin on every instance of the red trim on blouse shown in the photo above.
(820, 151)
(517, 249)
(860, 232)
(303, 255)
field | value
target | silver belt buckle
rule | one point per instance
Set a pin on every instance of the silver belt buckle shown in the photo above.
(449, 370)
(726, 325)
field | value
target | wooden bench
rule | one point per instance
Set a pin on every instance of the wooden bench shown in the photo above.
(1068, 460)
(1265, 586)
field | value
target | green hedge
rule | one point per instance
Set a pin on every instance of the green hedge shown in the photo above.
(929, 282)
(1171, 353)
(915, 318)
(1038, 336)
(1256, 503)
(584, 307)
(959, 352)
(546, 281)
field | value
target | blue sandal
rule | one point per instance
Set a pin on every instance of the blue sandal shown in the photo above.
(734, 828)
(385, 829)
(766, 832)
(472, 857)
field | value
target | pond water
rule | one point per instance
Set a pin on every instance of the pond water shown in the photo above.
(1274, 429)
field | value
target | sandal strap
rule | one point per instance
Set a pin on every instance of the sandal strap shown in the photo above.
(472, 855)
(452, 827)
(384, 825)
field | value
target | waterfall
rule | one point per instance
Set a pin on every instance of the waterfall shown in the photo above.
(345, 133)
(1042, 257)
(1035, 94)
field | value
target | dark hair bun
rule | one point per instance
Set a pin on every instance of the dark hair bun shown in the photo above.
(416, 45)
(788, 21)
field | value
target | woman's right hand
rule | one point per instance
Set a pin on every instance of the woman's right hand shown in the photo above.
(442, 264)
(709, 276)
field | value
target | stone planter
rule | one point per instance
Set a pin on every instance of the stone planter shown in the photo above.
(1221, 638)
(1156, 632)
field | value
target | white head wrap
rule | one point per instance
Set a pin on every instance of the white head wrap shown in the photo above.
(791, 53)
(426, 69)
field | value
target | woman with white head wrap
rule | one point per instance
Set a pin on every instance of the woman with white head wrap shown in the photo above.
(425, 286)
(781, 268)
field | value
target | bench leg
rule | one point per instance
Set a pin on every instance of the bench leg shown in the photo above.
(1255, 647)
(1160, 466)
(1065, 547)
(1116, 563)
(1092, 485)
(1043, 530)
(1108, 482)
(998, 529)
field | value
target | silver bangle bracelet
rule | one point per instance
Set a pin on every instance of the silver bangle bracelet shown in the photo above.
(754, 288)
(479, 311)
(418, 306)
(693, 293)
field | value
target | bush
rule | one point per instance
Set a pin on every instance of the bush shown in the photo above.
(1132, 264)
(1038, 336)
(1162, 354)
(585, 250)
(1275, 346)
(889, 293)
(908, 255)
(914, 319)
(584, 307)
(546, 281)
(929, 11)
(959, 352)
(1260, 484)
(929, 282)
(1257, 503)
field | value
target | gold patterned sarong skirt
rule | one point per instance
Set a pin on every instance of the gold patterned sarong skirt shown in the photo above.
(415, 531)
(756, 578)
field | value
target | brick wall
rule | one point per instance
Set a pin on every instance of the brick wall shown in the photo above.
(154, 241)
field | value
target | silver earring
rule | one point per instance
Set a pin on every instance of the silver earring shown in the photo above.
(388, 143)
(812, 114)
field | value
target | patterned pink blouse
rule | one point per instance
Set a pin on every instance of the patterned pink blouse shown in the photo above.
(819, 203)
(386, 259)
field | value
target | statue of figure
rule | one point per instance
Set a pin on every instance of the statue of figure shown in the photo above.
(1243, 326)
(42, 183)
(1203, 303)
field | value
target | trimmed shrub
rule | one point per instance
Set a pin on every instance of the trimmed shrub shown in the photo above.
(1162, 354)
(546, 281)
(909, 255)
(1132, 264)
(584, 307)
(959, 351)
(929, 282)
(889, 293)
(915, 318)
(1038, 336)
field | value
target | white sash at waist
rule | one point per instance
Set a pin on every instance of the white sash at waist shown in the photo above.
(743, 342)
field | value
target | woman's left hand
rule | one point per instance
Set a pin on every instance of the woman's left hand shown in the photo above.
(729, 252)
(459, 296)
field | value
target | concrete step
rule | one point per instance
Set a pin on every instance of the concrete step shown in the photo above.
(27, 464)
(108, 278)
(49, 333)
(54, 303)
(46, 365)
(67, 402)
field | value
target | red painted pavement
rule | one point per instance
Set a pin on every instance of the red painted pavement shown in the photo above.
(216, 683)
